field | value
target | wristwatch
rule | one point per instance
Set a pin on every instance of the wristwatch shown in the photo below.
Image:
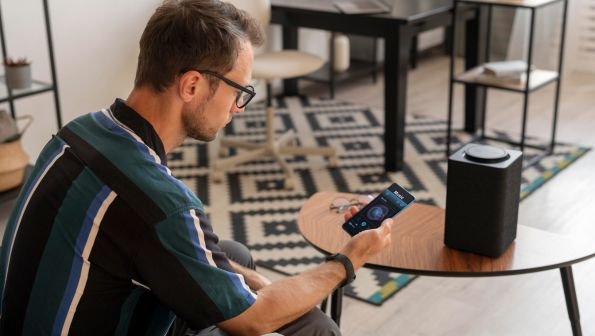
(349, 271)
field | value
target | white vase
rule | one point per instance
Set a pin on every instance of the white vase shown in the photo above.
(18, 77)
(342, 57)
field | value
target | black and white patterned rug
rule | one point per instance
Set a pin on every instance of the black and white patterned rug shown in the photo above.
(251, 206)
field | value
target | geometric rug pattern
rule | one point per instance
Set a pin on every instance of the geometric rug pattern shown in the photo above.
(251, 206)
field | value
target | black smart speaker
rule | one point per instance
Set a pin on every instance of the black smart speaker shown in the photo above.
(482, 199)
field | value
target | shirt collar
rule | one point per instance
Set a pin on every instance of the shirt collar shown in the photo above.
(141, 127)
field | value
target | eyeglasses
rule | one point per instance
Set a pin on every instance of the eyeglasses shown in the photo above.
(341, 204)
(245, 93)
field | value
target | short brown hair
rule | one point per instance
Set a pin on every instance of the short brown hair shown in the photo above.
(182, 34)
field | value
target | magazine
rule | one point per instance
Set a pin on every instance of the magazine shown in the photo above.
(361, 7)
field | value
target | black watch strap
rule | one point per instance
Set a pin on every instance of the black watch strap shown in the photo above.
(349, 271)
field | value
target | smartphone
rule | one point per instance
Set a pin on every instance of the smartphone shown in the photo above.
(388, 203)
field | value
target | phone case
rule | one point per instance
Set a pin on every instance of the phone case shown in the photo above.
(390, 202)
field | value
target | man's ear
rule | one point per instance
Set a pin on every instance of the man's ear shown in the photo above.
(189, 85)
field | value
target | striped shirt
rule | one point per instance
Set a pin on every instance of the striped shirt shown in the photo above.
(103, 240)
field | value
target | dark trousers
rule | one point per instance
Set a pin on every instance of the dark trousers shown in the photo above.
(313, 323)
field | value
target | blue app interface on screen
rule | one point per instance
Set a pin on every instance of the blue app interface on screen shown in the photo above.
(387, 204)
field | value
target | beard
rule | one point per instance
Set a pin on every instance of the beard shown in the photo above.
(195, 123)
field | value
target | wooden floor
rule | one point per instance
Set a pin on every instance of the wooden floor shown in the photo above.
(530, 304)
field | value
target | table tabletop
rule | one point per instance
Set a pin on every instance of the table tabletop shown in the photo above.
(418, 243)
(399, 10)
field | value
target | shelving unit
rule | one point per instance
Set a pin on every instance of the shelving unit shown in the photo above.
(537, 78)
(9, 96)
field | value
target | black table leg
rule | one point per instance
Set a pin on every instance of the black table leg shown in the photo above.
(396, 53)
(337, 305)
(413, 53)
(571, 301)
(290, 41)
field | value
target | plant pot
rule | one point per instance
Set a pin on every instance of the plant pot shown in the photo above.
(18, 77)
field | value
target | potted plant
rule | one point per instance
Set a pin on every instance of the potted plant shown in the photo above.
(17, 73)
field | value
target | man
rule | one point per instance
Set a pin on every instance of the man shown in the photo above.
(103, 240)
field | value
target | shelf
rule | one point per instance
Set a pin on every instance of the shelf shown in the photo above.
(538, 78)
(357, 68)
(512, 3)
(36, 88)
(13, 193)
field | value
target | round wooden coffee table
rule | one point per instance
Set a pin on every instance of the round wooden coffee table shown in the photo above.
(418, 248)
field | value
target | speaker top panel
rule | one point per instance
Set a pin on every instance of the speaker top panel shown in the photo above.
(486, 155)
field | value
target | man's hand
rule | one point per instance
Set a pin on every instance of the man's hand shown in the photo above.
(289, 298)
(351, 212)
(254, 280)
(368, 243)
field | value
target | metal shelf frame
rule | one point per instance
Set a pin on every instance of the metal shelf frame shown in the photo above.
(534, 79)
(12, 95)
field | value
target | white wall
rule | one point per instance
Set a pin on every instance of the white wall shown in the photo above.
(95, 46)
(581, 35)
(547, 36)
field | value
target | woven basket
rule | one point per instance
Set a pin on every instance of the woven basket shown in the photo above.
(13, 160)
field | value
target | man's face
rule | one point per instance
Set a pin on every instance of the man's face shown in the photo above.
(202, 118)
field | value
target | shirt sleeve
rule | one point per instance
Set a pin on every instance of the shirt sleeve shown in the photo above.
(182, 264)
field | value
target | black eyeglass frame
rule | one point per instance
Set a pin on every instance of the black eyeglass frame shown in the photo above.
(249, 89)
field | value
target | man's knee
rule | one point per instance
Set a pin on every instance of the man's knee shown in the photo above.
(314, 323)
(324, 325)
(237, 252)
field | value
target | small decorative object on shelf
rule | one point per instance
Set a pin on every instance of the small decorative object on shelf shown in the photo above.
(17, 73)
(342, 54)
(13, 159)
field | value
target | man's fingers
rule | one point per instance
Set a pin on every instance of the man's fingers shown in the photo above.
(351, 212)
(385, 232)
(386, 226)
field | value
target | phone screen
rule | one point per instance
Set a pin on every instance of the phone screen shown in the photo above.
(387, 204)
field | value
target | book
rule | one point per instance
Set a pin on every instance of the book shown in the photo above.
(361, 7)
(509, 69)
(501, 80)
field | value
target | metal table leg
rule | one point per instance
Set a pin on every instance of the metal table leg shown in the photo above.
(571, 301)
(337, 305)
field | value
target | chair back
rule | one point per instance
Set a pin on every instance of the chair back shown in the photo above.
(259, 9)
